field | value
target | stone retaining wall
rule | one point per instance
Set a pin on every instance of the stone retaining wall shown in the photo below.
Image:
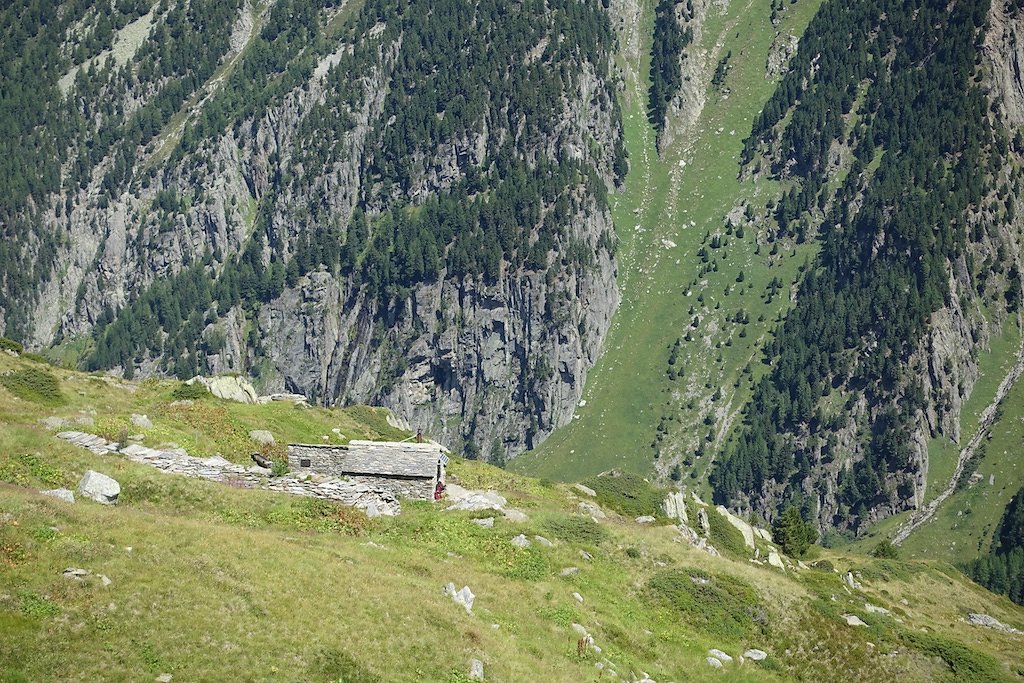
(361, 494)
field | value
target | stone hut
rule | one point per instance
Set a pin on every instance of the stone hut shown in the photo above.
(408, 470)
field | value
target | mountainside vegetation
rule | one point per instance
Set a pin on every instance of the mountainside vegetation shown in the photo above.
(1002, 569)
(230, 156)
(892, 84)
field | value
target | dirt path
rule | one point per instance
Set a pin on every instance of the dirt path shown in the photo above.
(984, 424)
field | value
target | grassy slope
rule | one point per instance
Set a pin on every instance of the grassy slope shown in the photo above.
(215, 583)
(628, 391)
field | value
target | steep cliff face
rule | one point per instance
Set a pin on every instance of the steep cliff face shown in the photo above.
(361, 205)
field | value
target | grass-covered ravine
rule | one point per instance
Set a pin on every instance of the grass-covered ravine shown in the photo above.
(211, 582)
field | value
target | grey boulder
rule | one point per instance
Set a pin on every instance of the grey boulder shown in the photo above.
(99, 487)
(66, 495)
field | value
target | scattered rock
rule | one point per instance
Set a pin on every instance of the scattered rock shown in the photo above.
(990, 622)
(141, 421)
(476, 670)
(53, 423)
(76, 573)
(697, 541)
(675, 506)
(586, 556)
(744, 528)
(580, 629)
(228, 387)
(578, 598)
(714, 663)
(720, 656)
(775, 560)
(874, 609)
(521, 541)
(755, 655)
(516, 516)
(702, 519)
(105, 580)
(853, 620)
(644, 519)
(99, 487)
(262, 436)
(60, 494)
(585, 490)
(486, 522)
(466, 499)
(851, 582)
(570, 571)
(593, 510)
(462, 597)
(543, 541)
(164, 678)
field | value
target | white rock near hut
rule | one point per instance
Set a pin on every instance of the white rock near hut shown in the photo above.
(66, 495)
(262, 436)
(99, 487)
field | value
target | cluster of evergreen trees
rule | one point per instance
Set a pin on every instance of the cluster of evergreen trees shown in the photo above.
(883, 268)
(666, 52)
(1002, 569)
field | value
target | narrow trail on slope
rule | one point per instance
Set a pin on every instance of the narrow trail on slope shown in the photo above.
(984, 425)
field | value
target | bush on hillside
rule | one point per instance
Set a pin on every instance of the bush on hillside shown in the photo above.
(190, 392)
(7, 344)
(627, 494)
(886, 550)
(580, 530)
(720, 606)
(36, 385)
(792, 533)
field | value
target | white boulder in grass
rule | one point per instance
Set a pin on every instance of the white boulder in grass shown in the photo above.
(99, 487)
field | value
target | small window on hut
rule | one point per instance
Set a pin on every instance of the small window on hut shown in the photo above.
(304, 462)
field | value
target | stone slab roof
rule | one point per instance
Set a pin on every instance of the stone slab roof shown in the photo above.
(385, 458)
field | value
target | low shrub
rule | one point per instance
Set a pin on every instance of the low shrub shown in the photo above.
(7, 344)
(715, 605)
(190, 392)
(725, 537)
(36, 385)
(967, 665)
(628, 494)
(580, 530)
